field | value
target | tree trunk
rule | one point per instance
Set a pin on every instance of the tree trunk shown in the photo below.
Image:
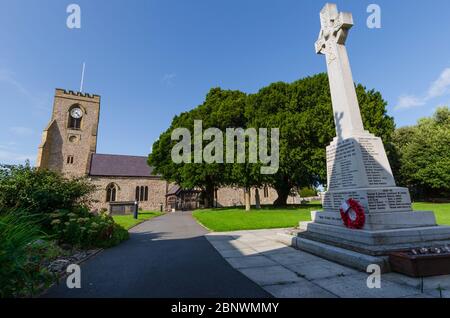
(247, 199)
(257, 199)
(209, 196)
(283, 194)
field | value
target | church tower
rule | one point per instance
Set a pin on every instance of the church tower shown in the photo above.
(70, 138)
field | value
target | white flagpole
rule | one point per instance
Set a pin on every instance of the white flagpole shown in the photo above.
(82, 78)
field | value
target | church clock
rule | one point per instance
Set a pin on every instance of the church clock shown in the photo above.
(76, 113)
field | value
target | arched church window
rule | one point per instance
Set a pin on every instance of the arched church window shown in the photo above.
(111, 193)
(141, 198)
(137, 194)
(75, 117)
(141, 193)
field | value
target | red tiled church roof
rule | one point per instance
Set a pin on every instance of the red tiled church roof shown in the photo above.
(120, 166)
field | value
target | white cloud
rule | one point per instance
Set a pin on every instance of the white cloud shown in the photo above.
(408, 101)
(438, 88)
(22, 131)
(441, 86)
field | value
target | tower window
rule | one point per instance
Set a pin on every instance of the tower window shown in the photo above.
(74, 123)
(69, 160)
(111, 193)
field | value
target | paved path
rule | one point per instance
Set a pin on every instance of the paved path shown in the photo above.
(165, 257)
(286, 272)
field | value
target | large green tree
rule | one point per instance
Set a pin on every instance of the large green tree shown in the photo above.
(424, 156)
(221, 109)
(303, 112)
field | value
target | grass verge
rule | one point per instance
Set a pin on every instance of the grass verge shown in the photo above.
(127, 221)
(235, 219)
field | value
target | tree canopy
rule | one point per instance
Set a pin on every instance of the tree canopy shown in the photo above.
(424, 162)
(303, 114)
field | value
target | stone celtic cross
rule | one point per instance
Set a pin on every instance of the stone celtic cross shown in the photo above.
(333, 34)
(334, 30)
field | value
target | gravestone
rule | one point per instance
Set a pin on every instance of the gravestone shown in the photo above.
(358, 168)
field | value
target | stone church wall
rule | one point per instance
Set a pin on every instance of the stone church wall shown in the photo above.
(234, 196)
(126, 191)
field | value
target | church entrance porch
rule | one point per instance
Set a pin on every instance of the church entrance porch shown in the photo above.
(179, 199)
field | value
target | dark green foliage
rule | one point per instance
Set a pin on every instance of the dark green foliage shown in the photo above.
(81, 228)
(301, 110)
(424, 159)
(22, 250)
(58, 204)
(221, 109)
(23, 188)
(42, 206)
(306, 192)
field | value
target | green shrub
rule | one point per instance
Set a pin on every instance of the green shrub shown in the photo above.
(58, 206)
(22, 250)
(423, 156)
(307, 192)
(37, 206)
(81, 228)
(23, 188)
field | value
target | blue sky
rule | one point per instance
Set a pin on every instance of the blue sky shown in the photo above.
(150, 60)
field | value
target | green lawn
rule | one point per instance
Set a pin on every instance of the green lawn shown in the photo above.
(127, 221)
(234, 219)
(441, 210)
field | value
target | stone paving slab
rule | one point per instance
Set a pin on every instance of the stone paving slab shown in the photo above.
(300, 289)
(250, 261)
(321, 269)
(286, 272)
(293, 257)
(238, 252)
(270, 275)
(429, 283)
(354, 286)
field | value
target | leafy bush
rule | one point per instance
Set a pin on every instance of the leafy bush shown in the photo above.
(81, 228)
(22, 250)
(23, 188)
(59, 206)
(37, 208)
(307, 192)
(424, 159)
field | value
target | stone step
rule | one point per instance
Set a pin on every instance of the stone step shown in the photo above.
(335, 254)
(376, 242)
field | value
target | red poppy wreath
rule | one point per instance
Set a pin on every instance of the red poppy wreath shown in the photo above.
(352, 214)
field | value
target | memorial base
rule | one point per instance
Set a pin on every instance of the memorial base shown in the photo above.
(378, 242)
(381, 221)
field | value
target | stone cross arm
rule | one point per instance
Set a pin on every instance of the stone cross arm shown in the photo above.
(334, 27)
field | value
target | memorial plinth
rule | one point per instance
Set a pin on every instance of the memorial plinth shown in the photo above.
(358, 168)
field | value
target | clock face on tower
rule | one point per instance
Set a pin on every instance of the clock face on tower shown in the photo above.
(76, 113)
